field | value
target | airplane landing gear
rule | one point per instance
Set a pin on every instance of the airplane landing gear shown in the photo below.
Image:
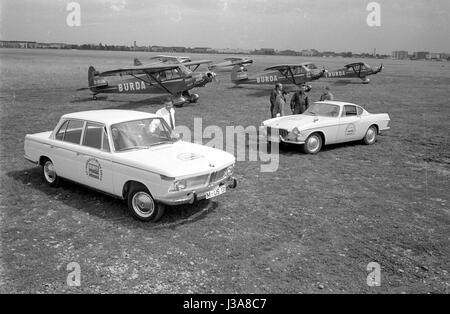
(192, 98)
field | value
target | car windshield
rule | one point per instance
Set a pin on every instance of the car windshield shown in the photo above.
(141, 134)
(324, 110)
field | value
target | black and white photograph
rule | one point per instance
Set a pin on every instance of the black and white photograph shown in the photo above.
(220, 153)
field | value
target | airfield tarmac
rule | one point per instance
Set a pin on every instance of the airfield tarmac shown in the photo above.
(311, 227)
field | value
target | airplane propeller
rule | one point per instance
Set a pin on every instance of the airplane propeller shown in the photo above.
(212, 76)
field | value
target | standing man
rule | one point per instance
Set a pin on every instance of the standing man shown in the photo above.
(280, 103)
(299, 102)
(327, 95)
(168, 112)
(273, 97)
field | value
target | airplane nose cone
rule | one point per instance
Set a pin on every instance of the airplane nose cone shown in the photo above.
(211, 76)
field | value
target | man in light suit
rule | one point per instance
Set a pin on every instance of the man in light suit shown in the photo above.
(168, 112)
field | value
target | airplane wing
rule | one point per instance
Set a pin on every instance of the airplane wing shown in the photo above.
(199, 62)
(281, 67)
(142, 69)
(194, 65)
(171, 59)
(233, 59)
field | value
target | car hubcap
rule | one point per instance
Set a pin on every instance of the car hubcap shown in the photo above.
(49, 172)
(313, 143)
(371, 135)
(143, 204)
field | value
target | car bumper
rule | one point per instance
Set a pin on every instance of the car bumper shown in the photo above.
(190, 197)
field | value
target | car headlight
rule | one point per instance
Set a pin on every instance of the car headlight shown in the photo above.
(230, 171)
(178, 186)
(297, 134)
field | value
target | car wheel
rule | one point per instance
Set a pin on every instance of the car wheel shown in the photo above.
(371, 135)
(313, 144)
(142, 205)
(49, 174)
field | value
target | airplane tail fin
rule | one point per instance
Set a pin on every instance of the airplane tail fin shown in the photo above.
(137, 62)
(94, 80)
(380, 68)
(238, 73)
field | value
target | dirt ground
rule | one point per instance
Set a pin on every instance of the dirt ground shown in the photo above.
(313, 226)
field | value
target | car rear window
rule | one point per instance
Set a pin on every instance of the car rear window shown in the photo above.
(95, 136)
(349, 111)
(73, 131)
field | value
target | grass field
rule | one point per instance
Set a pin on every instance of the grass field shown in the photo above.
(311, 227)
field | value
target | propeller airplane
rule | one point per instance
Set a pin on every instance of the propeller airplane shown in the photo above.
(156, 78)
(359, 70)
(289, 74)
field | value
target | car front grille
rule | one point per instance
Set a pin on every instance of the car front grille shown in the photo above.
(218, 175)
(197, 181)
(282, 132)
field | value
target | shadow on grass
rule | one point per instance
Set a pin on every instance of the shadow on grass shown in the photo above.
(348, 82)
(290, 149)
(107, 207)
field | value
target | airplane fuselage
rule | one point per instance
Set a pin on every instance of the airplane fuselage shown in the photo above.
(143, 84)
(270, 78)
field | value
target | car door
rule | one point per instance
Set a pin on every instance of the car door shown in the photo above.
(96, 159)
(349, 124)
(65, 148)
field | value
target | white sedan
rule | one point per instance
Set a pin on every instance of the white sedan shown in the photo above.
(133, 156)
(327, 122)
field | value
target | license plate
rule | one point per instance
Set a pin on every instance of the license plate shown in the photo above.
(216, 192)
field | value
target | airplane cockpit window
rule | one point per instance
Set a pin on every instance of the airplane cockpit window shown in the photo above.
(176, 73)
(311, 66)
(300, 70)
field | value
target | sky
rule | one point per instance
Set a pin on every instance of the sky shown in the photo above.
(325, 25)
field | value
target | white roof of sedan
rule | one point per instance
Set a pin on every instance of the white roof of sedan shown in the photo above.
(338, 103)
(109, 116)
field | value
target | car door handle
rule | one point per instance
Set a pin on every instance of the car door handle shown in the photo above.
(80, 154)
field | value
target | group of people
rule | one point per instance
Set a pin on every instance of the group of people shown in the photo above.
(299, 101)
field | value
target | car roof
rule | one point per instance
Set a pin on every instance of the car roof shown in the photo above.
(109, 116)
(338, 103)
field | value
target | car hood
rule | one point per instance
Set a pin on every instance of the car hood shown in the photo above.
(300, 121)
(177, 160)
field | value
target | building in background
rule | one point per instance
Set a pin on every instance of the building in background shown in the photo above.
(420, 55)
(17, 44)
(400, 55)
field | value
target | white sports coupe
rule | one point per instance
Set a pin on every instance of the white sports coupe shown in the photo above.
(327, 122)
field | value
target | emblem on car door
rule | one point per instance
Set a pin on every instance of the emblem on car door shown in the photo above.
(350, 130)
(94, 169)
